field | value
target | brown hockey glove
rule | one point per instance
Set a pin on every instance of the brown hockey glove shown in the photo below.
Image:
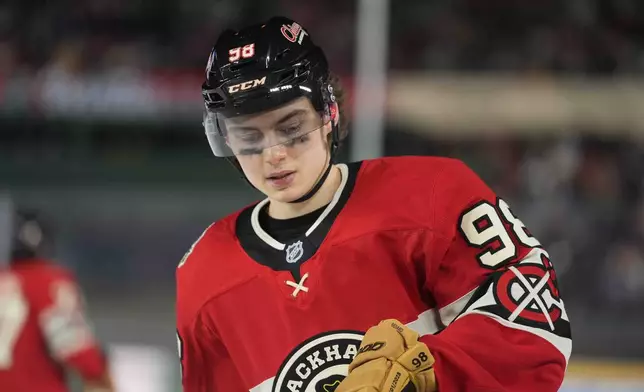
(390, 359)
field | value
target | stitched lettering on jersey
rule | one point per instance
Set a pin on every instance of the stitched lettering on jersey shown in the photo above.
(319, 363)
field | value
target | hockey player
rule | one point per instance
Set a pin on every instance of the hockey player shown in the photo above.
(42, 326)
(452, 290)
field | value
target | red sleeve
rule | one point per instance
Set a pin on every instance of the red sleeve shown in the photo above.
(67, 332)
(205, 364)
(90, 363)
(505, 326)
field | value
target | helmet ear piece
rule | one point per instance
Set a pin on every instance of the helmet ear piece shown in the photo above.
(334, 111)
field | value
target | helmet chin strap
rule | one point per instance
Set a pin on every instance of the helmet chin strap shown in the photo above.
(317, 185)
(323, 177)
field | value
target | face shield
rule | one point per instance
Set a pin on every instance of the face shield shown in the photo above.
(290, 126)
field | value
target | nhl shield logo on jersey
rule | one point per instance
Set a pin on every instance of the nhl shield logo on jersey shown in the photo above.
(294, 252)
(318, 364)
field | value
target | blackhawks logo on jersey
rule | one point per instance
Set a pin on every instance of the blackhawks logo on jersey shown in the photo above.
(318, 364)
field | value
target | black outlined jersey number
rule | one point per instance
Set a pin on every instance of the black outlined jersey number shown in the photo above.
(482, 226)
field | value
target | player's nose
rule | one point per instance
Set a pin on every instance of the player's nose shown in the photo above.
(275, 154)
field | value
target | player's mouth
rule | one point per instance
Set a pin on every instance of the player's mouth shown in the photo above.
(281, 179)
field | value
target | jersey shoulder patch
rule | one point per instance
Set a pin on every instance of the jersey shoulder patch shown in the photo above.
(185, 257)
(223, 229)
(525, 296)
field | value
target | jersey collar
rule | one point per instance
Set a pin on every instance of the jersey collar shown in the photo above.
(272, 242)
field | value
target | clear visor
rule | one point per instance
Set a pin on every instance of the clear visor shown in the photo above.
(289, 127)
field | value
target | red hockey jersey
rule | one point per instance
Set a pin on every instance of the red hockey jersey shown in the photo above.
(419, 239)
(41, 328)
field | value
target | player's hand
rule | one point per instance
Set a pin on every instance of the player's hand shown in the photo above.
(390, 358)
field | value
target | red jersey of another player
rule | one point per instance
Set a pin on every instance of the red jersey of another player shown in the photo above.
(43, 329)
(421, 240)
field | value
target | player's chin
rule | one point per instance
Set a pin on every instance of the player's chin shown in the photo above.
(286, 194)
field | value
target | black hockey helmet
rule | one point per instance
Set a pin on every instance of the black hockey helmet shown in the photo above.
(263, 67)
(30, 236)
(259, 68)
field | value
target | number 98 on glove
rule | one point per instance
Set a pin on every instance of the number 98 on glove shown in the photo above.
(390, 359)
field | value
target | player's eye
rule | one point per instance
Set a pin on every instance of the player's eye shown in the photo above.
(249, 151)
(254, 137)
(290, 129)
(297, 140)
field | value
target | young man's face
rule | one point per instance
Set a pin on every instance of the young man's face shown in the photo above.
(282, 151)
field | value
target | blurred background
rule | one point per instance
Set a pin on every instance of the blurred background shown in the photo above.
(100, 129)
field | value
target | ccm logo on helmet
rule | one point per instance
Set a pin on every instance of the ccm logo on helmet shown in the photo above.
(247, 85)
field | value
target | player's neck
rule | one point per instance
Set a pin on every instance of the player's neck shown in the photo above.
(281, 210)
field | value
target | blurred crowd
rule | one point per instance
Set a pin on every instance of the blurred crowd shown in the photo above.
(80, 36)
(587, 36)
(582, 196)
(577, 36)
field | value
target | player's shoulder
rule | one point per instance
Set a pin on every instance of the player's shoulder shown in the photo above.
(42, 271)
(216, 236)
(208, 267)
(423, 189)
(39, 280)
(414, 164)
(419, 172)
